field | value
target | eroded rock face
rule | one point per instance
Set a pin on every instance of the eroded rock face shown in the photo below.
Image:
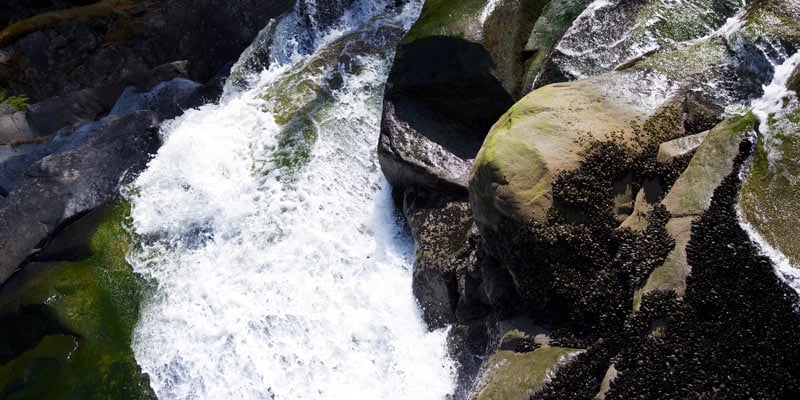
(61, 187)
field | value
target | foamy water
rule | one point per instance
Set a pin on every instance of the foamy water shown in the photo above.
(276, 287)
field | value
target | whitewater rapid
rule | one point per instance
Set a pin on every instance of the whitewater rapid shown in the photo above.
(272, 287)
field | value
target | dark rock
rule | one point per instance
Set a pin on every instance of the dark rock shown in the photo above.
(468, 345)
(80, 107)
(93, 46)
(441, 99)
(441, 227)
(61, 187)
(701, 114)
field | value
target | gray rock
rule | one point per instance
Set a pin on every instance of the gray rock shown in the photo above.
(61, 187)
(169, 99)
(14, 127)
(6, 109)
(679, 147)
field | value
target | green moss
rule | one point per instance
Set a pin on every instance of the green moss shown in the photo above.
(513, 375)
(20, 101)
(97, 301)
(116, 10)
(445, 18)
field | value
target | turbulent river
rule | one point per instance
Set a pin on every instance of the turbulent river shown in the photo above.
(278, 266)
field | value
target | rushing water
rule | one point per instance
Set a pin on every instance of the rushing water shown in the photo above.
(284, 280)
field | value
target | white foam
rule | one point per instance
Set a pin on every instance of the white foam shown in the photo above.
(487, 11)
(784, 269)
(274, 289)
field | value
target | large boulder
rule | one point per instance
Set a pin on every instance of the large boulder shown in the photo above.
(60, 187)
(456, 71)
(541, 135)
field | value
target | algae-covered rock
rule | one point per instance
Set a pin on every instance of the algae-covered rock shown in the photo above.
(541, 135)
(614, 33)
(68, 318)
(691, 193)
(772, 186)
(556, 16)
(510, 375)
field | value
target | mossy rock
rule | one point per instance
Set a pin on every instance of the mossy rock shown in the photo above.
(509, 375)
(93, 305)
(713, 161)
(105, 9)
(541, 135)
(556, 16)
(772, 187)
(447, 18)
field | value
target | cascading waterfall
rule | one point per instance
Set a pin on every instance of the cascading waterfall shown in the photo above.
(279, 269)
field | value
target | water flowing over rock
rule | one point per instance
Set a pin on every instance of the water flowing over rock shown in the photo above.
(281, 255)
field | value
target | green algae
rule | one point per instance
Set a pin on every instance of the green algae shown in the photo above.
(445, 18)
(115, 10)
(516, 375)
(772, 20)
(772, 187)
(96, 303)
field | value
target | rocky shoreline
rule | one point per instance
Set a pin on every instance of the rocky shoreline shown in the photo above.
(574, 218)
